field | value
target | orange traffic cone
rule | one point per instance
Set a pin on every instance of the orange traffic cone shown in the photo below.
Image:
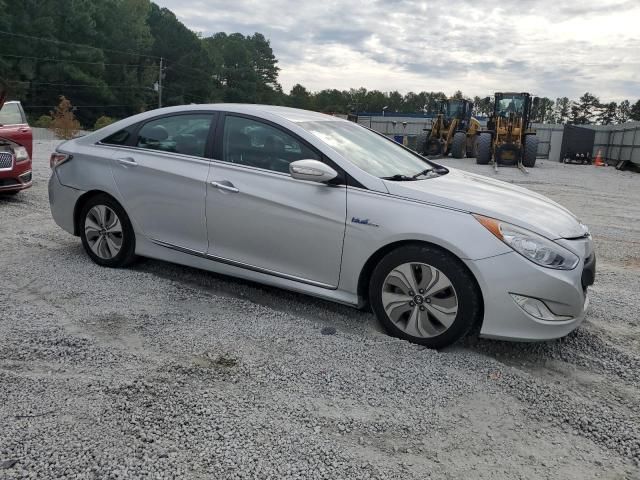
(598, 161)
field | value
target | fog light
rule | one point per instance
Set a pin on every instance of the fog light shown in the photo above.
(537, 308)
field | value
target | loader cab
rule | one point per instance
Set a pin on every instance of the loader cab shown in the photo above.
(460, 110)
(514, 106)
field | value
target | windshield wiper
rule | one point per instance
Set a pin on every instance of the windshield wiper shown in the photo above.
(398, 177)
(423, 172)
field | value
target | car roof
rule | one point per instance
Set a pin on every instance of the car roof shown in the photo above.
(291, 114)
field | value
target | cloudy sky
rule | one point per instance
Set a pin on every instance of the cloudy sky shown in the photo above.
(550, 48)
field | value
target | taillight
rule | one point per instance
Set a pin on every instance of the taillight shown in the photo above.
(58, 159)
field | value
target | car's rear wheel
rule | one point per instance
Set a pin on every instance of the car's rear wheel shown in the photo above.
(106, 232)
(425, 295)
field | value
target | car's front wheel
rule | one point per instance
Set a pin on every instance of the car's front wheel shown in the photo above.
(106, 232)
(425, 295)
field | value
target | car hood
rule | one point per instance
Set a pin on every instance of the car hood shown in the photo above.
(493, 198)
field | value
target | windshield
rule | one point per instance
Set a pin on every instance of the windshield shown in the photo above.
(373, 153)
(454, 109)
(10, 114)
(510, 104)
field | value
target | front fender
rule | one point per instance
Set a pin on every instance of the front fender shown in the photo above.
(375, 220)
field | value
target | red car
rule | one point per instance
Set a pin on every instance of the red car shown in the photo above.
(16, 147)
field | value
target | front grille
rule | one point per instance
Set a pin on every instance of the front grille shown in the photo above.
(6, 161)
(26, 177)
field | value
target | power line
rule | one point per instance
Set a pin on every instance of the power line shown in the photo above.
(50, 40)
(60, 60)
(79, 85)
(87, 106)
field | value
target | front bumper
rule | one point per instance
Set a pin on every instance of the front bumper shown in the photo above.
(562, 291)
(17, 178)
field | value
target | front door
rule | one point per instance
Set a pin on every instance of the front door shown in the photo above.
(261, 218)
(162, 176)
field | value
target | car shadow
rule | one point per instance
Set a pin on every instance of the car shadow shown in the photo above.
(302, 305)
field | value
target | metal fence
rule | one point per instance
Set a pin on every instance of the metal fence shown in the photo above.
(614, 142)
(618, 142)
(547, 134)
(403, 130)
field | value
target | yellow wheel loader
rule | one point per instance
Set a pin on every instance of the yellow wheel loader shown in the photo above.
(509, 138)
(452, 131)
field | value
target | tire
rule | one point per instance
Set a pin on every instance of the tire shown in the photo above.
(101, 233)
(471, 146)
(10, 193)
(459, 145)
(433, 147)
(530, 151)
(455, 290)
(421, 143)
(483, 149)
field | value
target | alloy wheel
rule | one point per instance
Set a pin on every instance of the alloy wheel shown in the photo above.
(103, 231)
(419, 299)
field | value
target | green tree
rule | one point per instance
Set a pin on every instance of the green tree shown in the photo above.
(562, 110)
(331, 101)
(375, 100)
(395, 101)
(545, 110)
(299, 97)
(583, 112)
(624, 112)
(634, 112)
(482, 106)
(103, 122)
(608, 113)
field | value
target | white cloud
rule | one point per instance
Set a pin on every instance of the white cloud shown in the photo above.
(551, 48)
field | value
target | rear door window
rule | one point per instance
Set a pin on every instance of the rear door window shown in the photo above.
(11, 114)
(185, 134)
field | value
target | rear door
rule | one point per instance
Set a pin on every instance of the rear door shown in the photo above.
(161, 174)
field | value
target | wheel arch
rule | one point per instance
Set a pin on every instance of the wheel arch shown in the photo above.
(80, 203)
(374, 259)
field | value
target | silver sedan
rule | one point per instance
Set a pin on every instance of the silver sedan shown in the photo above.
(316, 204)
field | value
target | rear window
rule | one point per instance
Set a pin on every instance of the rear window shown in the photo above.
(11, 114)
(118, 138)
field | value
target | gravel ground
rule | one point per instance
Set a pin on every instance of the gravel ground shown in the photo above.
(164, 371)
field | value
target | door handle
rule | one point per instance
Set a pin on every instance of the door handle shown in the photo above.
(226, 186)
(127, 162)
(23, 130)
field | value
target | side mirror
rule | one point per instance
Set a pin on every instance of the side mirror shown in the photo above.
(312, 170)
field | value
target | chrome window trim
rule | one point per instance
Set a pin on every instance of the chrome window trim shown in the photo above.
(246, 266)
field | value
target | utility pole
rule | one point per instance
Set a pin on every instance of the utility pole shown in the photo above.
(160, 84)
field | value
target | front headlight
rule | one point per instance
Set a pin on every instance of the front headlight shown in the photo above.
(21, 154)
(532, 246)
